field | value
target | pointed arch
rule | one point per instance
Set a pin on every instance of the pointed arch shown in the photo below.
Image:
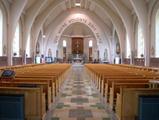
(16, 41)
(128, 49)
(157, 35)
(1, 33)
(140, 42)
(28, 46)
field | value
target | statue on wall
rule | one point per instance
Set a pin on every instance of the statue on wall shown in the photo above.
(20, 51)
(117, 48)
(152, 51)
(98, 54)
(57, 52)
(49, 52)
(37, 48)
(105, 54)
(4, 50)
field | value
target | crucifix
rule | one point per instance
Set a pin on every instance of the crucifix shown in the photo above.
(77, 44)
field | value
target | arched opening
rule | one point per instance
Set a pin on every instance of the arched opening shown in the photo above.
(117, 59)
(1, 33)
(75, 43)
(157, 35)
(16, 41)
(28, 47)
(140, 42)
(128, 51)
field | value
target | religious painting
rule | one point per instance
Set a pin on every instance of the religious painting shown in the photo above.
(37, 48)
(77, 45)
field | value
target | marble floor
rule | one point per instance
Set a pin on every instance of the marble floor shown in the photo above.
(79, 99)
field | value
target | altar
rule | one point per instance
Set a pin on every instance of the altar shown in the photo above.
(77, 58)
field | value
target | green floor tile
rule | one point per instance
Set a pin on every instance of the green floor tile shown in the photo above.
(55, 118)
(98, 105)
(106, 119)
(61, 105)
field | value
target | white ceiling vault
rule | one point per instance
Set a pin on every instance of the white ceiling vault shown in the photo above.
(77, 29)
(48, 16)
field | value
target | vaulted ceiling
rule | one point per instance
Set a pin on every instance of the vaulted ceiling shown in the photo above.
(77, 29)
(106, 14)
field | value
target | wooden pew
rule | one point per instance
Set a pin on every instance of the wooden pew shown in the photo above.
(44, 85)
(104, 84)
(101, 74)
(34, 101)
(52, 81)
(109, 82)
(48, 78)
(112, 79)
(56, 75)
(127, 101)
(116, 89)
(55, 79)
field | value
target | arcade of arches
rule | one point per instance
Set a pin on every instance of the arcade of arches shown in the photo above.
(79, 32)
(123, 29)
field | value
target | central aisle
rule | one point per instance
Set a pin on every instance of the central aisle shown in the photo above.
(79, 100)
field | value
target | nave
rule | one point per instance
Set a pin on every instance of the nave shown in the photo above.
(76, 92)
(79, 99)
(117, 41)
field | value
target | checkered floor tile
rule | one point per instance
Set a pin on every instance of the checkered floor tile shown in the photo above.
(79, 100)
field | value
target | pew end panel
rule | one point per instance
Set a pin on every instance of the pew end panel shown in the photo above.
(128, 102)
(34, 101)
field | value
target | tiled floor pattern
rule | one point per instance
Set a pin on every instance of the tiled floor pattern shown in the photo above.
(79, 100)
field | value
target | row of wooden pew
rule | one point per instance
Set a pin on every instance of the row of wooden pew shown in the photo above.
(39, 84)
(122, 86)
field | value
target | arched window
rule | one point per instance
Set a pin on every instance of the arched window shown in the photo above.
(28, 47)
(64, 43)
(16, 41)
(157, 35)
(128, 52)
(140, 42)
(90, 43)
(1, 32)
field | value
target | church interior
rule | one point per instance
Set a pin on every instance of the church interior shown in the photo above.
(79, 59)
